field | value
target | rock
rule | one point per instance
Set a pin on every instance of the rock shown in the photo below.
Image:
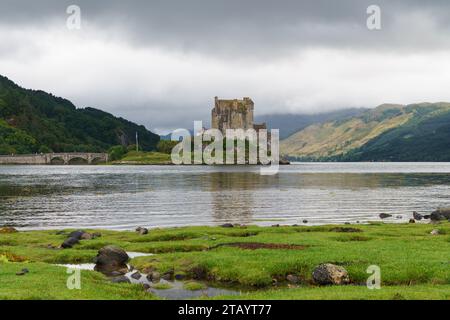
(22, 272)
(292, 279)
(60, 232)
(440, 214)
(8, 230)
(275, 225)
(179, 276)
(96, 235)
(156, 276)
(329, 273)
(435, 232)
(346, 222)
(111, 258)
(69, 242)
(76, 234)
(141, 230)
(412, 221)
(385, 215)
(399, 217)
(417, 216)
(136, 275)
(427, 216)
(227, 225)
(305, 221)
(120, 279)
(87, 236)
(146, 286)
(167, 276)
(345, 229)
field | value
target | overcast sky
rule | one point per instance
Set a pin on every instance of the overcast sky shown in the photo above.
(160, 63)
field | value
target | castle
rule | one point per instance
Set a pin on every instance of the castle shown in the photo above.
(234, 114)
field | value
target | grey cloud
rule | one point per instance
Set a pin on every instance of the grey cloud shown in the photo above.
(233, 39)
(251, 28)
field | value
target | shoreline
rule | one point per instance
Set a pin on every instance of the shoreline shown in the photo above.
(275, 262)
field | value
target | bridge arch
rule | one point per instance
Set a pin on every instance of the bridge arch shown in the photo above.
(78, 160)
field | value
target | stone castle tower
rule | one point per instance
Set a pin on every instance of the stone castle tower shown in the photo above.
(233, 114)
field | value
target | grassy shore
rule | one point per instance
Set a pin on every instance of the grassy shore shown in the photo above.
(414, 264)
(144, 158)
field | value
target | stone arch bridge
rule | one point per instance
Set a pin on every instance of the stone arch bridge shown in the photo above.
(49, 158)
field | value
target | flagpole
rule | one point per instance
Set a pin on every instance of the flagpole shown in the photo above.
(137, 142)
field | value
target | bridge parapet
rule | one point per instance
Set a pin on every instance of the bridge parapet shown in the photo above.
(47, 158)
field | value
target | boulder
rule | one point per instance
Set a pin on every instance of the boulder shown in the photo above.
(385, 215)
(292, 279)
(146, 286)
(168, 275)
(69, 242)
(417, 216)
(440, 214)
(136, 275)
(120, 279)
(111, 258)
(328, 273)
(412, 221)
(154, 276)
(141, 230)
(87, 236)
(22, 272)
(227, 225)
(435, 232)
(76, 234)
(8, 230)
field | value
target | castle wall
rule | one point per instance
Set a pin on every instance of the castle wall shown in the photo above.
(232, 114)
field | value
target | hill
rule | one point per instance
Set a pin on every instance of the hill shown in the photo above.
(416, 132)
(291, 123)
(35, 121)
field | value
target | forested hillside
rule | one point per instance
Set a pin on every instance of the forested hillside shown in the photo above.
(35, 121)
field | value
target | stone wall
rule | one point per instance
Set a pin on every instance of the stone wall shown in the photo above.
(232, 114)
(41, 159)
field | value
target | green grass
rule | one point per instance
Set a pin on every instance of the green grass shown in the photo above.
(194, 285)
(47, 282)
(144, 158)
(162, 286)
(417, 292)
(413, 263)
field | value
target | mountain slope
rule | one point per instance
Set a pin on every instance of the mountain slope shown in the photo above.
(387, 133)
(291, 123)
(42, 122)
